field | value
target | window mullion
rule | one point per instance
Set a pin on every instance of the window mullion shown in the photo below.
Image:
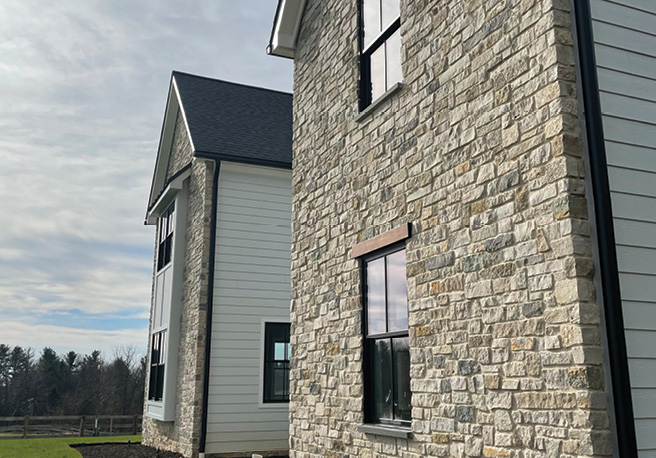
(393, 375)
(386, 305)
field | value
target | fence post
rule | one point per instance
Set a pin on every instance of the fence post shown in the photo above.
(26, 427)
(111, 425)
(134, 426)
(82, 426)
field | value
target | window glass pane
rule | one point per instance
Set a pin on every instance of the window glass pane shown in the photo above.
(381, 379)
(162, 227)
(162, 348)
(391, 11)
(377, 73)
(170, 221)
(159, 391)
(393, 49)
(397, 292)
(371, 16)
(279, 351)
(376, 296)
(402, 407)
(279, 382)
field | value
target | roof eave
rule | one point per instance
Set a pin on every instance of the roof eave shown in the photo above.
(286, 26)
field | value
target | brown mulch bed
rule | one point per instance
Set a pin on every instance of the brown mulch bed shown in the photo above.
(121, 451)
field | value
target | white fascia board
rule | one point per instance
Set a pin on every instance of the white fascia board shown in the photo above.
(166, 141)
(184, 115)
(287, 25)
(167, 197)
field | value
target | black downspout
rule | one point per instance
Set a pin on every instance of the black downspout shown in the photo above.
(610, 283)
(210, 303)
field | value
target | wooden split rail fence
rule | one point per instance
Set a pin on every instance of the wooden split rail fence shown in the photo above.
(58, 426)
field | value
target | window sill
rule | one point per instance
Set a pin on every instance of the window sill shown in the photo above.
(389, 431)
(379, 101)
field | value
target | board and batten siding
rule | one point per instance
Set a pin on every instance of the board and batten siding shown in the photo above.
(251, 285)
(624, 33)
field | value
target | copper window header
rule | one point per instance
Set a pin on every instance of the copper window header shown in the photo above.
(381, 241)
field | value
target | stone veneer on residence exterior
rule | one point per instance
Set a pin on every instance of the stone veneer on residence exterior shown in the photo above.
(481, 153)
(183, 435)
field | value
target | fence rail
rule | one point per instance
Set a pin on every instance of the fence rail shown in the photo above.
(74, 425)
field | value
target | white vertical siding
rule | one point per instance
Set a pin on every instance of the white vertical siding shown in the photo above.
(252, 284)
(625, 47)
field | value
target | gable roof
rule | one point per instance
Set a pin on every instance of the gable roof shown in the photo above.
(224, 121)
(236, 122)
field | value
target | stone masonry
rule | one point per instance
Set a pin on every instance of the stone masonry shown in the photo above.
(183, 435)
(481, 153)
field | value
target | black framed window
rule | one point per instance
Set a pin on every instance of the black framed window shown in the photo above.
(157, 364)
(380, 48)
(165, 237)
(276, 362)
(386, 344)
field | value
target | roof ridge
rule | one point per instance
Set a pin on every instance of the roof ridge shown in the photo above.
(177, 72)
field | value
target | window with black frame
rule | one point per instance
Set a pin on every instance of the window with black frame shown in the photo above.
(165, 237)
(387, 350)
(157, 364)
(380, 48)
(276, 362)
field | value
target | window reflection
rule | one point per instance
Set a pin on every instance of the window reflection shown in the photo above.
(397, 292)
(371, 15)
(393, 53)
(376, 296)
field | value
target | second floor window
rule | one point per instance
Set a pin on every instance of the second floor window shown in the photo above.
(380, 58)
(165, 237)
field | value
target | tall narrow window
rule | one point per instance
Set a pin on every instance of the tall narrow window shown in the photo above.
(387, 351)
(165, 237)
(157, 362)
(276, 362)
(380, 39)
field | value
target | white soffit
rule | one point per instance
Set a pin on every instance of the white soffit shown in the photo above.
(286, 26)
(167, 197)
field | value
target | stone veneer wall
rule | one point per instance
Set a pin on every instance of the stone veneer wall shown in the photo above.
(183, 435)
(481, 152)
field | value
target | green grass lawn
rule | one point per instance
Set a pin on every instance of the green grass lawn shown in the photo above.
(53, 448)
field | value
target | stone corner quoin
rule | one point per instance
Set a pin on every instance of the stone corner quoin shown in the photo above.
(481, 152)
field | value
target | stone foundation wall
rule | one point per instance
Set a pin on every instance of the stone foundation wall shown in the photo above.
(183, 435)
(481, 152)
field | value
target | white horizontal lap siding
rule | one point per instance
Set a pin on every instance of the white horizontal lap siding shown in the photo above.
(625, 47)
(251, 283)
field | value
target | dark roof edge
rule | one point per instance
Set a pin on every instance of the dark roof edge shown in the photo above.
(166, 183)
(176, 72)
(242, 160)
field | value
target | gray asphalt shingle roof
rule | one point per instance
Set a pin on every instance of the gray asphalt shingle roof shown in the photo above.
(236, 121)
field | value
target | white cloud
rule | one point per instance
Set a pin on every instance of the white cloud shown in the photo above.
(83, 88)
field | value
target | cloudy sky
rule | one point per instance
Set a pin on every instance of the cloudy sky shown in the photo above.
(83, 86)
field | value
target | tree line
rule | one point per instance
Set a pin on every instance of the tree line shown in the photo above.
(70, 384)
